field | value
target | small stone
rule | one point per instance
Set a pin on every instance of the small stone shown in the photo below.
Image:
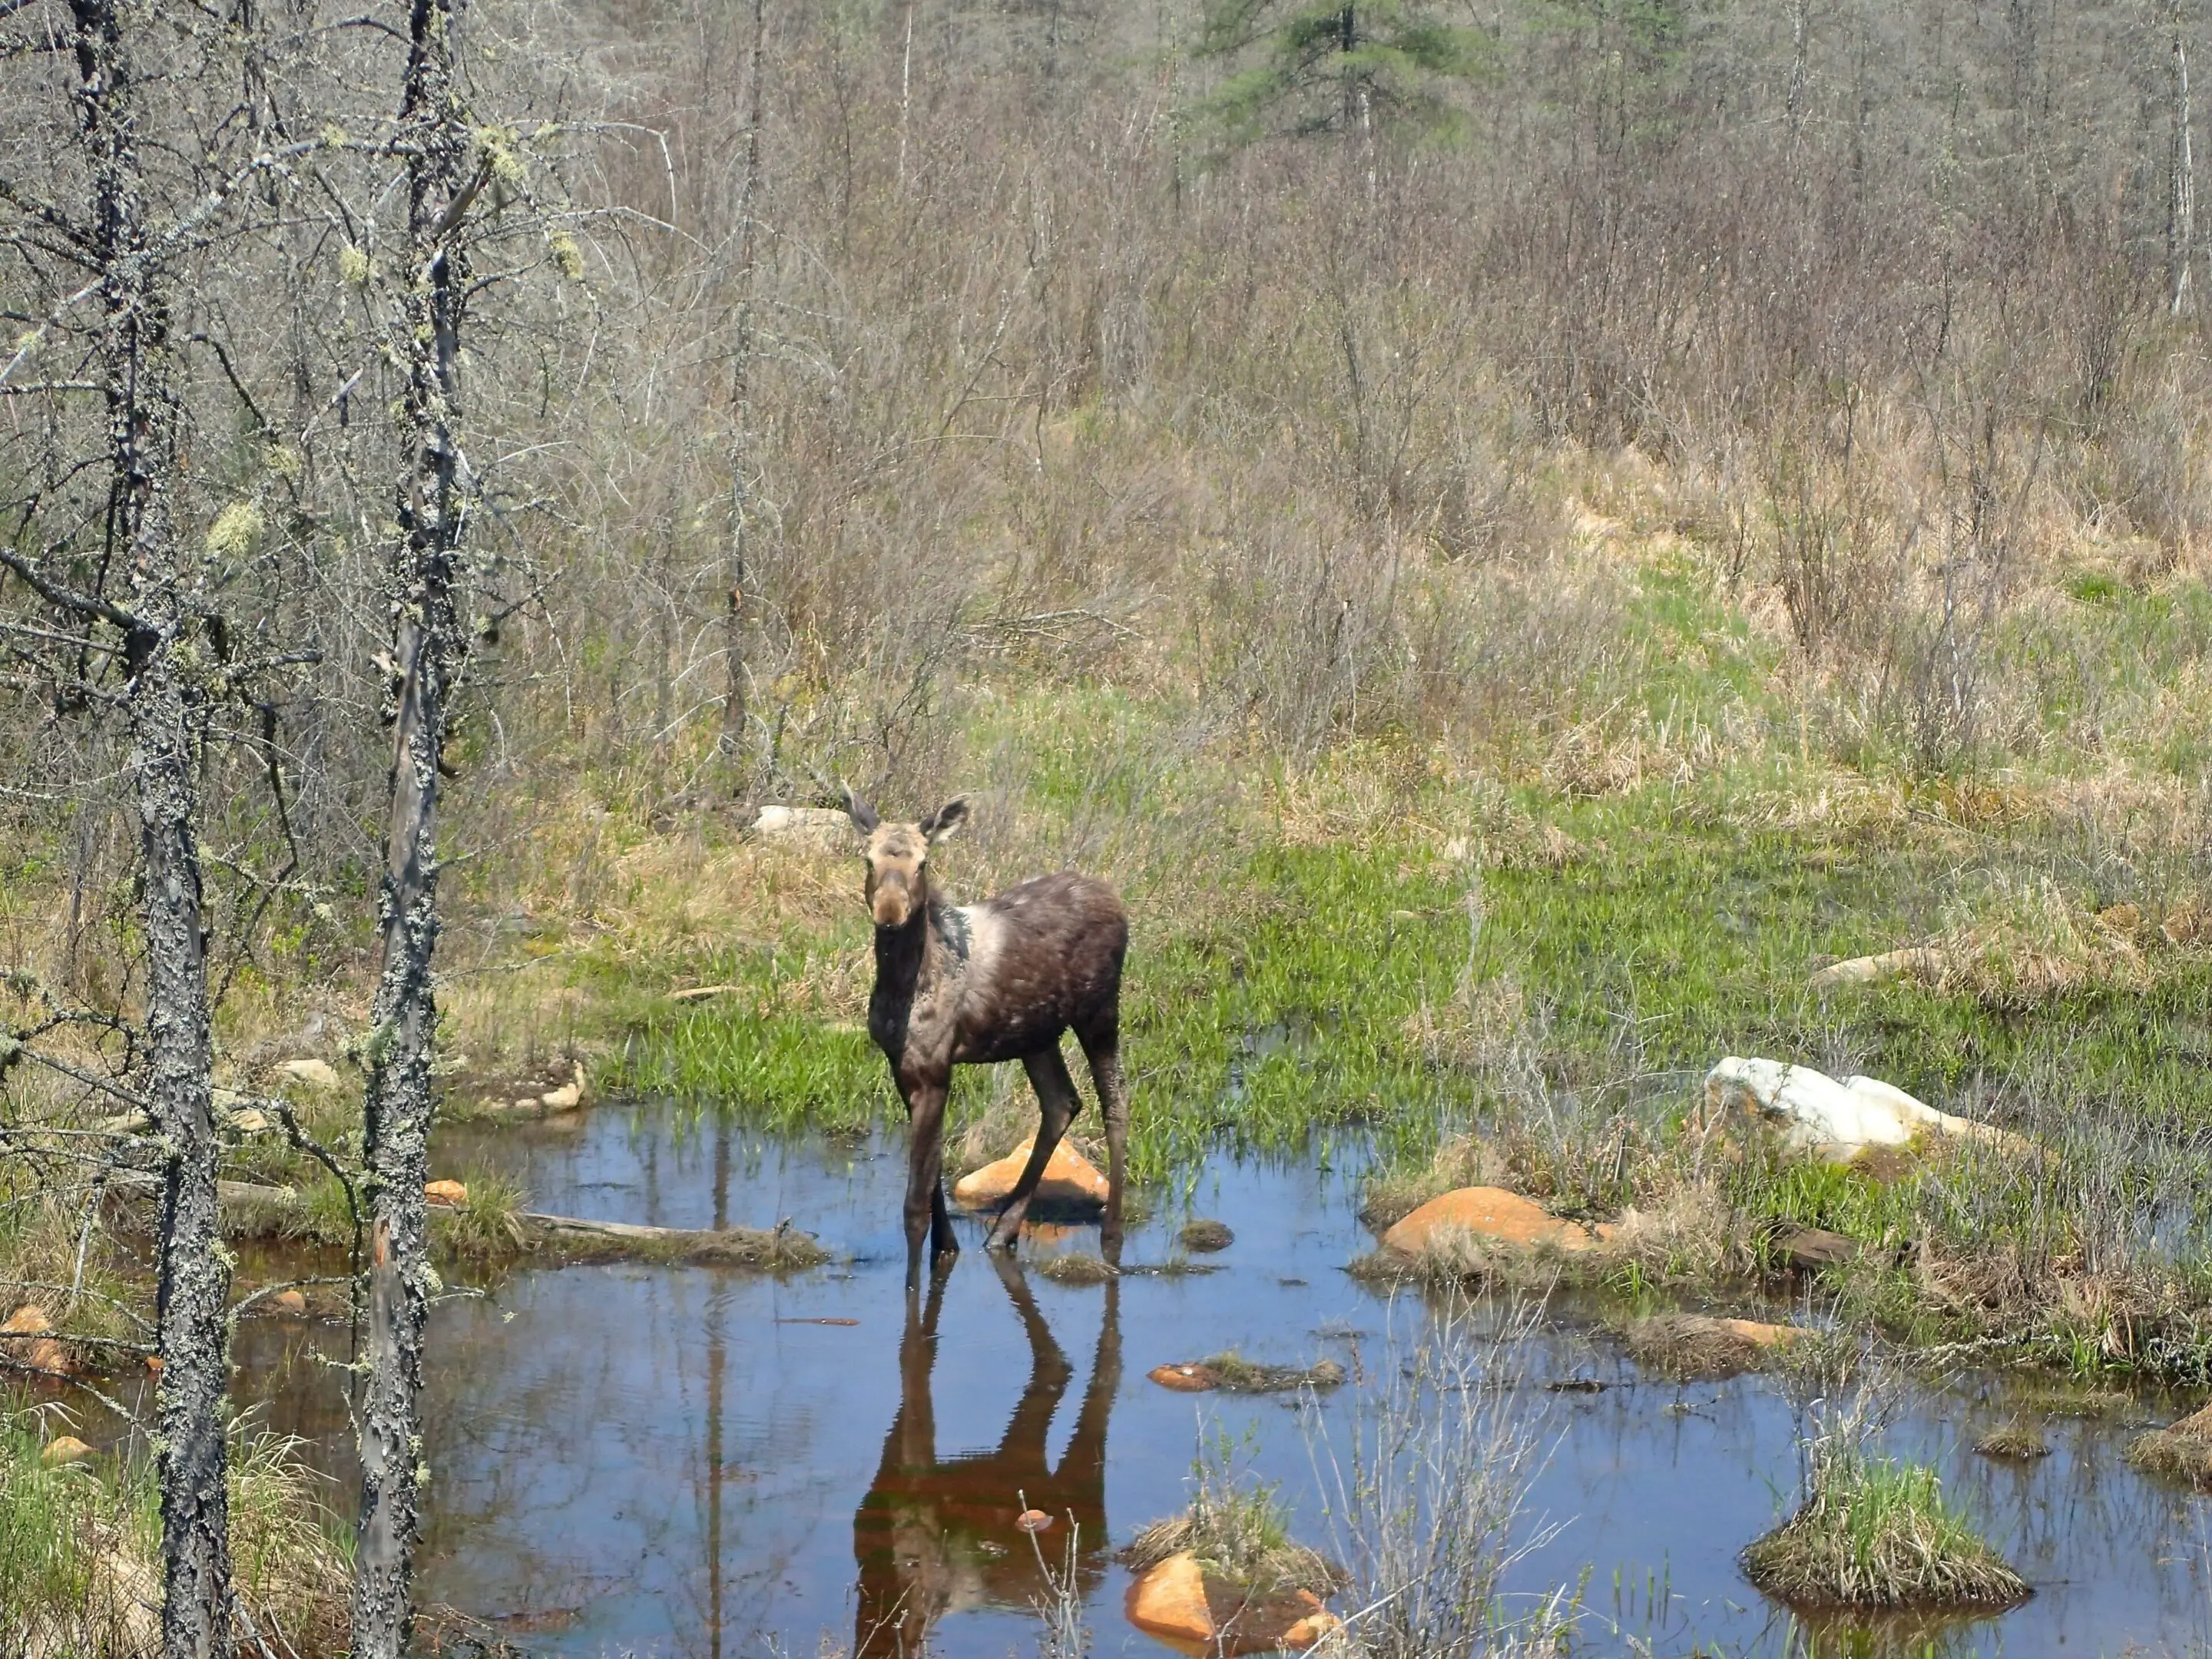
(1068, 1178)
(64, 1449)
(568, 1096)
(1169, 1601)
(1206, 1236)
(252, 1122)
(292, 1303)
(1309, 1630)
(445, 1195)
(1186, 1379)
(317, 1074)
(1491, 1212)
(1033, 1521)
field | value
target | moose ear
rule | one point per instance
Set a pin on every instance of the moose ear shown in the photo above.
(863, 815)
(947, 818)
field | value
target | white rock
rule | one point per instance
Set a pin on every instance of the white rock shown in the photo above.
(314, 1073)
(1812, 1113)
(825, 828)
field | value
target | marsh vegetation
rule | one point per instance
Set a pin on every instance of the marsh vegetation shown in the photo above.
(1514, 541)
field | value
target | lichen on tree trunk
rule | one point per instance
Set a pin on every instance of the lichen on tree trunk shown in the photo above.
(427, 640)
(163, 705)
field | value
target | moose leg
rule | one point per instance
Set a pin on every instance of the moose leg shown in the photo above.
(1101, 1046)
(1057, 1105)
(925, 1188)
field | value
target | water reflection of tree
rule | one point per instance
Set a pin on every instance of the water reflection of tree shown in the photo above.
(936, 1535)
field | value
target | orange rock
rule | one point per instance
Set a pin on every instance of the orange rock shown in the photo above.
(1490, 1212)
(1186, 1379)
(1169, 1601)
(1033, 1521)
(450, 1194)
(65, 1448)
(45, 1351)
(1309, 1630)
(291, 1304)
(1069, 1178)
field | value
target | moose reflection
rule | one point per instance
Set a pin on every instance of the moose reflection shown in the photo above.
(936, 1535)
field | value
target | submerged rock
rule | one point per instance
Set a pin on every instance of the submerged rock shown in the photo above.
(1811, 1112)
(1069, 1178)
(293, 1304)
(1206, 1236)
(1489, 1213)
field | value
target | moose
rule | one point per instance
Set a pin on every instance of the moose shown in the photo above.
(979, 984)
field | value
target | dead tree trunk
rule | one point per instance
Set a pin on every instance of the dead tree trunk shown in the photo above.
(162, 702)
(741, 363)
(428, 642)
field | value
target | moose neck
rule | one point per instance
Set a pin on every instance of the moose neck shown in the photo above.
(905, 953)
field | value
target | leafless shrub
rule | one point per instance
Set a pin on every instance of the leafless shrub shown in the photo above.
(1426, 1495)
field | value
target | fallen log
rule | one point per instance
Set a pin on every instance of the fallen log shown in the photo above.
(250, 1210)
(576, 1240)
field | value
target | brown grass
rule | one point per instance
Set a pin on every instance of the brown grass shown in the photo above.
(2181, 1450)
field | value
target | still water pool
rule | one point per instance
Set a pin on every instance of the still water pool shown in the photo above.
(693, 1462)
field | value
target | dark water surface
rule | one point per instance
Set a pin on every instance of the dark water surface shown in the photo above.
(675, 1461)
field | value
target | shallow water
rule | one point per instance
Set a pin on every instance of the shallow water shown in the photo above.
(683, 1462)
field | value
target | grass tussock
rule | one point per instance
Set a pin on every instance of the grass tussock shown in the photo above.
(2018, 1440)
(2180, 1451)
(1077, 1267)
(1238, 1375)
(79, 1551)
(487, 1226)
(1687, 1346)
(1877, 1534)
(1239, 1531)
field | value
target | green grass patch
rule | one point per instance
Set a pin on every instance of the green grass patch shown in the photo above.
(1878, 1533)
